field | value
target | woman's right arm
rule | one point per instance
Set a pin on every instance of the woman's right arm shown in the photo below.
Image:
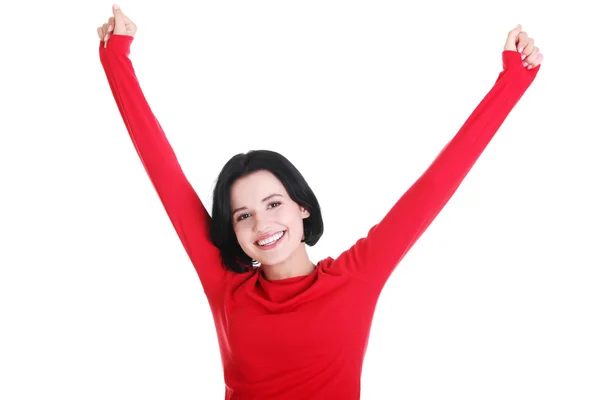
(183, 206)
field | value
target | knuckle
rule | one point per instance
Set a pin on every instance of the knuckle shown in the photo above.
(532, 58)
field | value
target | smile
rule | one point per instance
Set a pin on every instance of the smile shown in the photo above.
(271, 241)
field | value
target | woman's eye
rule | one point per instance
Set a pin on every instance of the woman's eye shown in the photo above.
(243, 216)
(275, 204)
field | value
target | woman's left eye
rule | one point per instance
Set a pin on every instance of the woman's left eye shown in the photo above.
(272, 205)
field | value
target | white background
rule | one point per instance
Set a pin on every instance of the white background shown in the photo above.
(499, 298)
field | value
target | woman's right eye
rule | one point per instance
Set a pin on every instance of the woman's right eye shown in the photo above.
(243, 216)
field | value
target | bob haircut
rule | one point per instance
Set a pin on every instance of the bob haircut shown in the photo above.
(221, 226)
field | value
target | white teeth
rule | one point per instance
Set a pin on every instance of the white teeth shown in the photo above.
(270, 239)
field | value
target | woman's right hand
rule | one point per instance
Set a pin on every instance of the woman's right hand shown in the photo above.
(118, 24)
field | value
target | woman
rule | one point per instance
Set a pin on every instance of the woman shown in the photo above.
(289, 328)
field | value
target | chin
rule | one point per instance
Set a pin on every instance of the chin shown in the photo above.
(272, 261)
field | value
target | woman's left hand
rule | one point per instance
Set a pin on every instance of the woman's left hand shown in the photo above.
(520, 41)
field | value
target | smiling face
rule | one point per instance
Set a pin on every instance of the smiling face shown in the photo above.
(268, 224)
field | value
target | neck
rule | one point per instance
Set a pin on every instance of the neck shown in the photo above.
(298, 264)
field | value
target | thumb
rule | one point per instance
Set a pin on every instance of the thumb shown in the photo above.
(120, 19)
(511, 40)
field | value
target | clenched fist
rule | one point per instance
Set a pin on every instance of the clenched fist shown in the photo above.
(519, 41)
(118, 24)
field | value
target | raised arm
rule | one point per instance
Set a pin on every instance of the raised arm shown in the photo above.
(185, 210)
(375, 257)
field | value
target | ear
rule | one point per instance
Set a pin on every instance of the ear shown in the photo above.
(305, 213)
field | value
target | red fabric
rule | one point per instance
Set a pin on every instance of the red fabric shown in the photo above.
(304, 337)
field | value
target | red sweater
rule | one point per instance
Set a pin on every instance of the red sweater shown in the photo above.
(303, 337)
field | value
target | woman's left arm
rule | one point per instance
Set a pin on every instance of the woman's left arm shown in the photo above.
(376, 256)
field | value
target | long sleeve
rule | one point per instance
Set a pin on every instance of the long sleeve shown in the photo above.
(375, 256)
(184, 208)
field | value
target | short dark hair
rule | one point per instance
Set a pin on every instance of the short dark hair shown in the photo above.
(221, 227)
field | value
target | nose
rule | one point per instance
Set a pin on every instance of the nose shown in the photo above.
(261, 223)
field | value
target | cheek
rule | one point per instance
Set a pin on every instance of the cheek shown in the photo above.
(242, 234)
(295, 223)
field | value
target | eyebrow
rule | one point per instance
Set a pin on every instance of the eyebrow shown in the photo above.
(263, 200)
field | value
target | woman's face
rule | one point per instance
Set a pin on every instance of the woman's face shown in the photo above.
(268, 224)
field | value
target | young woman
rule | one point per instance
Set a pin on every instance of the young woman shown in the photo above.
(289, 328)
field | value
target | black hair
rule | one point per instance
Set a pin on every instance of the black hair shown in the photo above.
(221, 226)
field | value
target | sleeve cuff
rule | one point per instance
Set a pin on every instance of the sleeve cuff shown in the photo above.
(118, 44)
(512, 64)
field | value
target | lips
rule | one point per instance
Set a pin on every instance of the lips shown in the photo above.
(279, 236)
